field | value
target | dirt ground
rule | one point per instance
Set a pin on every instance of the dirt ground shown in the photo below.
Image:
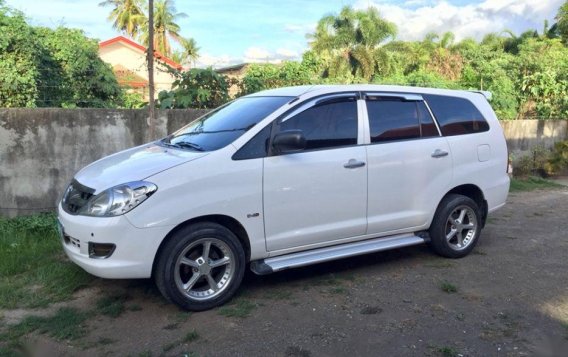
(508, 298)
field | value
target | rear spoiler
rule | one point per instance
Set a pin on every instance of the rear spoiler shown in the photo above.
(484, 93)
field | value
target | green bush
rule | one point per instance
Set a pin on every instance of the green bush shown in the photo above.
(558, 162)
(534, 163)
(196, 88)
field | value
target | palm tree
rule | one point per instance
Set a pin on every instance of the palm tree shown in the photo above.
(351, 41)
(189, 53)
(165, 26)
(127, 16)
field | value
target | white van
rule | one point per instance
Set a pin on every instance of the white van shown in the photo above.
(286, 178)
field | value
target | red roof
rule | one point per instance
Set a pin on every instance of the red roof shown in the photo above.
(157, 54)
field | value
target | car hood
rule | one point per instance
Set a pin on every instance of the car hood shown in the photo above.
(133, 165)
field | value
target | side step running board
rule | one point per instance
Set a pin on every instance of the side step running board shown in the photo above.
(294, 260)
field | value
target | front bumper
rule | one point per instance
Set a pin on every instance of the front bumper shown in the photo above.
(135, 248)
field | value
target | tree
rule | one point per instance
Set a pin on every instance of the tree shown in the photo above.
(542, 78)
(196, 88)
(189, 52)
(127, 16)
(165, 26)
(131, 18)
(20, 59)
(261, 76)
(84, 79)
(351, 41)
(443, 59)
(562, 22)
(51, 68)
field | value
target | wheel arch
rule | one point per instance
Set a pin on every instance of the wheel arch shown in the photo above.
(475, 193)
(226, 221)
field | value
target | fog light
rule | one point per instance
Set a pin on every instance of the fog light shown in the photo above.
(100, 250)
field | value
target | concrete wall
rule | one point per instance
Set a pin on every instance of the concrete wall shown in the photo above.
(522, 135)
(41, 149)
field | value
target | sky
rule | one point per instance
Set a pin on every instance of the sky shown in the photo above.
(231, 31)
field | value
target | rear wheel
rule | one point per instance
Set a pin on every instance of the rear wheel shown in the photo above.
(456, 226)
(200, 267)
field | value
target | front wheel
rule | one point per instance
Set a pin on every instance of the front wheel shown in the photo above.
(456, 226)
(200, 267)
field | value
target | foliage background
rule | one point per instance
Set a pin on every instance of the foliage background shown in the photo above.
(41, 67)
(527, 73)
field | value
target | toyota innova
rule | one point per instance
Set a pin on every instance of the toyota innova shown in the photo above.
(285, 178)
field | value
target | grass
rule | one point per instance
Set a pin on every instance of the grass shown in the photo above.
(34, 271)
(326, 280)
(448, 287)
(191, 336)
(440, 264)
(112, 305)
(277, 294)
(338, 290)
(447, 351)
(565, 326)
(239, 307)
(531, 184)
(134, 307)
(66, 324)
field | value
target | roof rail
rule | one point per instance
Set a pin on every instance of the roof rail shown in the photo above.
(488, 95)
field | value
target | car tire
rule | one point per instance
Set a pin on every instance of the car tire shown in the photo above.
(201, 266)
(456, 226)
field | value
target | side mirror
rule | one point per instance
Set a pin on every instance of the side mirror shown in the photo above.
(289, 141)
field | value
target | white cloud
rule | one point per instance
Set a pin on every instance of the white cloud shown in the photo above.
(293, 28)
(287, 53)
(262, 55)
(300, 28)
(256, 54)
(208, 60)
(415, 18)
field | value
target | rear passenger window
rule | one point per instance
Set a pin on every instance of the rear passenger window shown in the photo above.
(456, 116)
(392, 118)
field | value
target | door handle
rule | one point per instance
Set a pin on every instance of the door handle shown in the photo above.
(353, 164)
(439, 153)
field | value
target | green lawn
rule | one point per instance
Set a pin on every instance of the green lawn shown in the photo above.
(34, 271)
(532, 183)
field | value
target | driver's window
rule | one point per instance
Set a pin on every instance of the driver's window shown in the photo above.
(327, 124)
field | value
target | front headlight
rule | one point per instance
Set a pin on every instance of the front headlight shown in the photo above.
(118, 199)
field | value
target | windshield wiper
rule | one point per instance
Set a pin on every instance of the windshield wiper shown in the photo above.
(211, 132)
(183, 144)
(187, 144)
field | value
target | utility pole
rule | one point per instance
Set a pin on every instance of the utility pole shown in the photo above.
(150, 58)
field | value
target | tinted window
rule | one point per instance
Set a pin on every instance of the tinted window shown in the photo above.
(225, 124)
(328, 124)
(456, 116)
(256, 147)
(393, 119)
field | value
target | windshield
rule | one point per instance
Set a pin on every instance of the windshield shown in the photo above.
(225, 124)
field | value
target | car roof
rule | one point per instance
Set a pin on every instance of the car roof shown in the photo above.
(298, 91)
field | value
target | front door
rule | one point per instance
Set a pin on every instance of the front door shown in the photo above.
(318, 195)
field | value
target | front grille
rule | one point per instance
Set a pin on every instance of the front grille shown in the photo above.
(76, 196)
